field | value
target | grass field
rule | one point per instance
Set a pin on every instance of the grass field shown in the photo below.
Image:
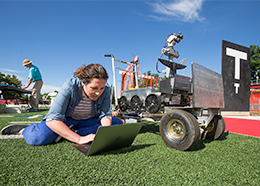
(232, 160)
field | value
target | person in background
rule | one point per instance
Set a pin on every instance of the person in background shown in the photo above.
(35, 78)
(81, 106)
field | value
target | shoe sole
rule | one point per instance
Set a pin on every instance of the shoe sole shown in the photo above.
(12, 129)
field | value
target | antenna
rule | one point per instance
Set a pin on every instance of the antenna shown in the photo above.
(183, 61)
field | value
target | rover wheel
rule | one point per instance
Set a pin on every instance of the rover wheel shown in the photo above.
(216, 128)
(152, 103)
(123, 103)
(136, 103)
(179, 130)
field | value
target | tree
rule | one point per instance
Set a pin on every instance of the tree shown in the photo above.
(111, 90)
(10, 79)
(2, 76)
(255, 61)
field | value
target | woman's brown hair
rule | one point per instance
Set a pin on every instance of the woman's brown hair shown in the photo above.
(87, 73)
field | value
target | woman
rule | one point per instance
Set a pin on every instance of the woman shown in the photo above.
(83, 103)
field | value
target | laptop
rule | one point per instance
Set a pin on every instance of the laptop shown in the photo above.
(110, 138)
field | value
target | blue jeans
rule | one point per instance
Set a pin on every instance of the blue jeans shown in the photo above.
(41, 134)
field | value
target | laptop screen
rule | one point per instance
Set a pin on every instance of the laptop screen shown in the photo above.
(110, 138)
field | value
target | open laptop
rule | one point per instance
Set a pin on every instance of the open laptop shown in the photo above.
(110, 138)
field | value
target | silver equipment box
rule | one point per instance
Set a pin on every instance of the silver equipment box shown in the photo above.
(208, 91)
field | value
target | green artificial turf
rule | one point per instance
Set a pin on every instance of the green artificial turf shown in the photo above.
(232, 160)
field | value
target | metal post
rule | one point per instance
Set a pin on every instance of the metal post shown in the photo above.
(136, 77)
(114, 75)
(183, 61)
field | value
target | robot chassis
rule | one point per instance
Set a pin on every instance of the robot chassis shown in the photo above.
(190, 110)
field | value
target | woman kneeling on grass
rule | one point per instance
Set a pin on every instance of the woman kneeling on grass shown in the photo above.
(82, 105)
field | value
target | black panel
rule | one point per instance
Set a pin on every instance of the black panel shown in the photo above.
(172, 65)
(236, 83)
(165, 86)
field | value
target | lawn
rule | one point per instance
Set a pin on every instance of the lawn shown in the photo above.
(232, 160)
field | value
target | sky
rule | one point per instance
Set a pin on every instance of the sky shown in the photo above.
(59, 36)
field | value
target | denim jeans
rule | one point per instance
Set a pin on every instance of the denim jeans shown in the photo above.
(41, 134)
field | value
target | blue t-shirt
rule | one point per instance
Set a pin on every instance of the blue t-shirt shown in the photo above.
(34, 73)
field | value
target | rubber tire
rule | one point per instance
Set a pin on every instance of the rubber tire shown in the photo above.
(136, 103)
(123, 103)
(218, 128)
(152, 103)
(190, 128)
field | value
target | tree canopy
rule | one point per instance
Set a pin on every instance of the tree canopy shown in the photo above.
(10, 79)
(255, 61)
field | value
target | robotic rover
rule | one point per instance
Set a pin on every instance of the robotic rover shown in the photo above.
(191, 109)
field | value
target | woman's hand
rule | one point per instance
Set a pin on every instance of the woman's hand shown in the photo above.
(86, 139)
(63, 130)
(106, 121)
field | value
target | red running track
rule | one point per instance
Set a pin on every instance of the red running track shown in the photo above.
(243, 126)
